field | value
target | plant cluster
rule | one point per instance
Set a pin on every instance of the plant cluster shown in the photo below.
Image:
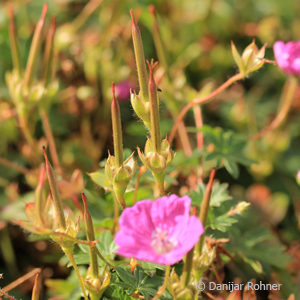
(161, 222)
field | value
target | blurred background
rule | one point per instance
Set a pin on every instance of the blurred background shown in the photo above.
(93, 48)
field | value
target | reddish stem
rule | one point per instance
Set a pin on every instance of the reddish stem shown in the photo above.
(205, 99)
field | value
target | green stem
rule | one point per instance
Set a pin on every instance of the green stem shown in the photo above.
(85, 14)
(116, 213)
(284, 107)
(90, 233)
(103, 258)
(187, 268)
(25, 129)
(70, 256)
(165, 284)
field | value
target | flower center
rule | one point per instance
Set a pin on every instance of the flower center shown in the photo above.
(161, 242)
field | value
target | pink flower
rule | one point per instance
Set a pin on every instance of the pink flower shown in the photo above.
(288, 56)
(160, 231)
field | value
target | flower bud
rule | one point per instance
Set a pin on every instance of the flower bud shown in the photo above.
(141, 108)
(204, 260)
(251, 60)
(66, 237)
(97, 286)
(119, 176)
(157, 162)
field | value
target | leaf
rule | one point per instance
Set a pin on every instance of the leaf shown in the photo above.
(227, 149)
(222, 223)
(219, 194)
(107, 245)
(139, 282)
(150, 268)
(126, 277)
(100, 178)
(256, 245)
(232, 168)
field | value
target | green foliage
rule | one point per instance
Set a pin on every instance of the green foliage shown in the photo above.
(257, 247)
(139, 282)
(219, 194)
(227, 150)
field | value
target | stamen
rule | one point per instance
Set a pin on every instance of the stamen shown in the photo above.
(161, 243)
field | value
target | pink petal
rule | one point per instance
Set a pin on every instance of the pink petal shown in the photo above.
(166, 209)
(281, 55)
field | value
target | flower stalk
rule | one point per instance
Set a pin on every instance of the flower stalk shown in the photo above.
(70, 256)
(205, 99)
(204, 208)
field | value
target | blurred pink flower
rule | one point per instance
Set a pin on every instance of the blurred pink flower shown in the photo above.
(298, 177)
(160, 231)
(123, 90)
(288, 56)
